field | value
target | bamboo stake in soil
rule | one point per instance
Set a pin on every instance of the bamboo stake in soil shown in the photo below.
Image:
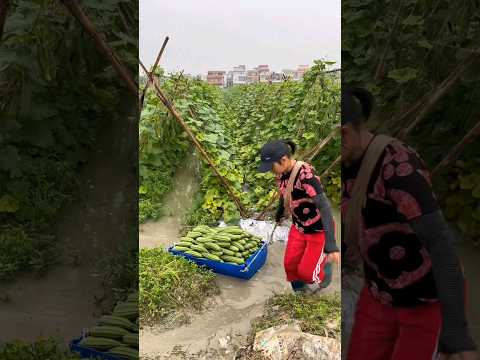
(157, 61)
(79, 14)
(168, 104)
(457, 149)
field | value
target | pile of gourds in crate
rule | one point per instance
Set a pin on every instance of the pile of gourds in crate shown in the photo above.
(228, 244)
(116, 334)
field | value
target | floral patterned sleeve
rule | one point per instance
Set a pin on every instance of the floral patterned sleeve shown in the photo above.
(312, 186)
(310, 182)
(407, 182)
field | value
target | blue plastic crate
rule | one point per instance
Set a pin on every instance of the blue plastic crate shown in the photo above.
(244, 271)
(90, 353)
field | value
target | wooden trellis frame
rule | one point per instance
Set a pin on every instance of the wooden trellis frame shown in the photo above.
(154, 68)
(74, 8)
(169, 105)
(453, 155)
(428, 102)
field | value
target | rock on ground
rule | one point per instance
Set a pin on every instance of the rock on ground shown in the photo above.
(289, 342)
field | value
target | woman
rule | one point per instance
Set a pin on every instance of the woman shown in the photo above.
(311, 242)
(412, 303)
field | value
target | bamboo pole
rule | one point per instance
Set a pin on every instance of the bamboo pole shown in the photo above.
(441, 91)
(457, 149)
(4, 6)
(157, 61)
(274, 197)
(316, 149)
(79, 14)
(332, 165)
(402, 116)
(380, 65)
(168, 104)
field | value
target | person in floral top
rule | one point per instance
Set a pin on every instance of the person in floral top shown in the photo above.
(413, 302)
(311, 243)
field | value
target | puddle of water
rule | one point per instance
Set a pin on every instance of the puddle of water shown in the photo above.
(62, 302)
(239, 302)
(177, 203)
(51, 306)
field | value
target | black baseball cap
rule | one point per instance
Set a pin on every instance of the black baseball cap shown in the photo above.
(271, 153)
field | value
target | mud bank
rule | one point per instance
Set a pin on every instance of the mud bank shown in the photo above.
(68, 298)
(224, 326)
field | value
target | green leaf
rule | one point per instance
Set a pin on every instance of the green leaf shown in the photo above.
(404, 75)
(9, 160)
(476, 191)
(413, 20)
(309, 135)
(8, 204)
(211, 138)
(425, 44)
(467, 182)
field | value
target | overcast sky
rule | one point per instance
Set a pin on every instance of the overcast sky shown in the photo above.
(217, 35)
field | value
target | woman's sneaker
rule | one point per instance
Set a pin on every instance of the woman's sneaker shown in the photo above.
(312, 288)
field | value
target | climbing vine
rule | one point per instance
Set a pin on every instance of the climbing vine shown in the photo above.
(420, 59)
(232, 125)
(56, 90)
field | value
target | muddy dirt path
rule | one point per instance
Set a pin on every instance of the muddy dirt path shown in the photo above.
(226, 322)
(177, 203)
(62, 302)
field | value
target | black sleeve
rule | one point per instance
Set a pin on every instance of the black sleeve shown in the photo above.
(433, 230)
(312, 186)
(280, 209)
(321, 202)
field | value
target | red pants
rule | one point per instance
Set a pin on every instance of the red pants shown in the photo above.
(381, 332)
(304, 257)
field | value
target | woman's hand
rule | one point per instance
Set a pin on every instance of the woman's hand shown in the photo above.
(334, 257)
(467, 355)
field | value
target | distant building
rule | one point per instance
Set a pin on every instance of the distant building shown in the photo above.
(229, 79)
(276, 77)
(217, 78)
(301, 70)
(252, 76)
(239, 75)
(289, 73)
(263, 73)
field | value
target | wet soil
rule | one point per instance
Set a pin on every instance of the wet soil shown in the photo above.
(68, 298)
(224, 325)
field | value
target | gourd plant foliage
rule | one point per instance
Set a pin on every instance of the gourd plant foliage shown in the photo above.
(44, 348)
(56, 89)
(402, 51)
(163, 143)
(232, 125)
